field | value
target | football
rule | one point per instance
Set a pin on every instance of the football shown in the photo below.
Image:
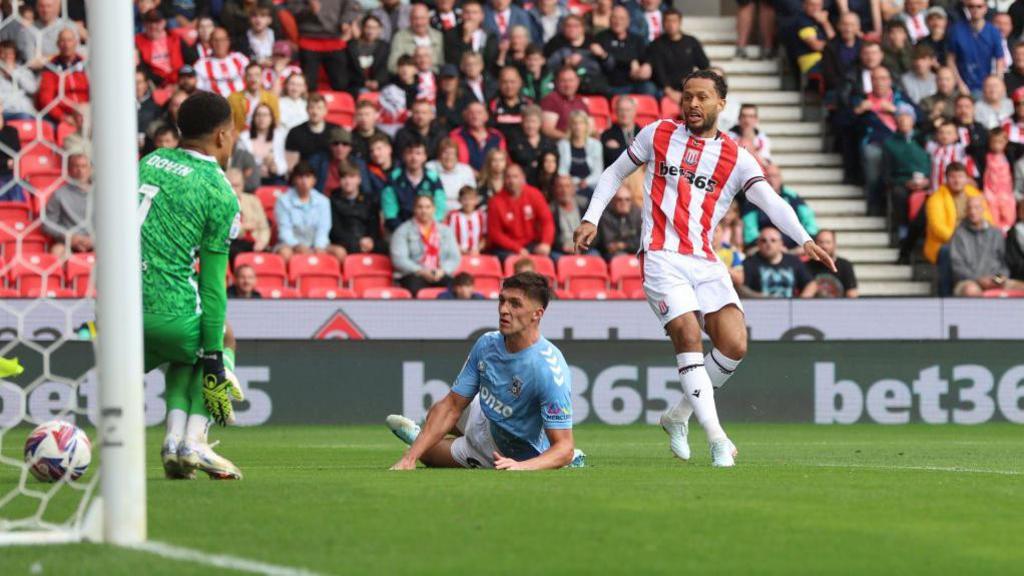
(56, 450)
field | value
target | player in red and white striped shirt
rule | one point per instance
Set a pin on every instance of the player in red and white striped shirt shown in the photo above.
(693, 171)
(223, 71)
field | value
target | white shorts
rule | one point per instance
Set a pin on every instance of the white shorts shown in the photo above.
(475, 448)
(679, 283)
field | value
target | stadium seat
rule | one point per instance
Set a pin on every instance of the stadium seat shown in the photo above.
(564, 295)
(280, 293)
(599, 295)
(11, 212)
(269, 268)
(32, 273)
(324, 293)
(268, 197)
(637, 294)
(41, 186)
(579, 8)
(647, 110)
(387, 293)
(38, 292)
(341, 108)
(31, 130)
(38, 159)
(63, 131)
(625, 273)
(600, 112)
(362, 271)
(7, 293)
(78, 270)
(307, 271)
(542, 264)
(485, 270)
(430, 293)
(578, 273)
(915, 202)
(12, 234)
(669, 108)
(1003, 293)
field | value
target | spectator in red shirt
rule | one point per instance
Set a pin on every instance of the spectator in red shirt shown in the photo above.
(64, 79)
(559, 104)
(474, 138)
(518, 219)
(159, 50)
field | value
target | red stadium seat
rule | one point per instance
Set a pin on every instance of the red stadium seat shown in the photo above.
(364, 271)
(669, 108)
(79, 269)
(15, 212)
(38, 159)
(32, 130)
(13, 234)
(915, 202)
(599, 295)
(38, 292)
(542, 264)
(32, 273)
(1003, 293)
(280, 293)
(647, 110)
(430, 293)
(341, 108)
(625, 273)
(388, 293)
(41, 186)
(63, 131)
(323, 293)
(579, 8)
(306, 271)
(485, 270)
(564, 295)
(268, 197)
(638, 294)
(578, 273)
(269, 268)
(7, 293)
(600, 112)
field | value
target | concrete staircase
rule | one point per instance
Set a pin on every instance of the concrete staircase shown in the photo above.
(798, 149)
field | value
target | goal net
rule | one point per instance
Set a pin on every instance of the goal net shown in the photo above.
(69, 270)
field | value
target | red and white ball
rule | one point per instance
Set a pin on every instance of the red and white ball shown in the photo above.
(57, 449)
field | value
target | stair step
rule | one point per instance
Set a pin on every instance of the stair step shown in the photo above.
(795, 143)
(764, 98)
(878, 272)
(808, 191)
(863, 240)
(707, 37)
(848, 223)
(814, 175)
(895, 288)
(759, 67)
(775, 129)
(719, 53)
(696, 25)
(748, 82)
(831, 207)
(820, 159)
(779, 113)
(872, 255)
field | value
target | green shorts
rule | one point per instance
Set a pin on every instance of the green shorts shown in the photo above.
(173, 339)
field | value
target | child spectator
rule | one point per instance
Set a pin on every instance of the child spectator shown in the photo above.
(946, 149)
(463, 288)
(469, 222)
(998, 182)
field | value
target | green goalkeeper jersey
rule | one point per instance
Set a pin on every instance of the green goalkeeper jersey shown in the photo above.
(187, 213)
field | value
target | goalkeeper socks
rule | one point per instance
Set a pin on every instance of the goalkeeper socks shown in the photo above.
(195, 430)
(229, 358)
(176, 421)
(720, 367)
(699, 393)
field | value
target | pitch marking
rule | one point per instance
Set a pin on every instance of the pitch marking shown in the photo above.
(218, 560)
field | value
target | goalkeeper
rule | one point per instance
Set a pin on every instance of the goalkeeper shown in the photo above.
(187, 209)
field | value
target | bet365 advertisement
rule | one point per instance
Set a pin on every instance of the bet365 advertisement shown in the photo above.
(626, 382)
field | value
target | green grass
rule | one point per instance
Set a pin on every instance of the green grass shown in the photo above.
(804, 499)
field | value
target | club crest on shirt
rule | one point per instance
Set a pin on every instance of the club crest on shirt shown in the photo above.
(515, 388)
(663, 307)
(691, 156)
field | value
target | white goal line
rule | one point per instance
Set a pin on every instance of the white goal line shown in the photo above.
(173, 552)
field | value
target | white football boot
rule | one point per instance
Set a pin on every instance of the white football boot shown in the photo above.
(723, 453)
(404, 428)
(173, 469)
(677, 431)
(200, 456)
(579, 459)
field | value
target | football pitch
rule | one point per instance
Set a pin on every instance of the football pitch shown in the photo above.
(803, 499)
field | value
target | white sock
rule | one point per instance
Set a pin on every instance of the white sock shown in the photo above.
(175, 426)
(699, 393)
(720, 367)
(196, 429)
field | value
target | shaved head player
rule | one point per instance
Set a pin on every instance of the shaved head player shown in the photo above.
(693, 171)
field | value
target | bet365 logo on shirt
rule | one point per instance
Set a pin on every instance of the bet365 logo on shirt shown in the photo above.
(702, 182)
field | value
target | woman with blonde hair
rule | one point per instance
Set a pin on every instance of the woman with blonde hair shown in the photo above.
(292, 103)
(580, 154)
(492, 176)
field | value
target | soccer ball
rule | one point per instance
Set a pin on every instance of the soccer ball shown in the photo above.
(57, 449)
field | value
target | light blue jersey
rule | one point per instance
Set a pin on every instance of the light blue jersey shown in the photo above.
(521, 394)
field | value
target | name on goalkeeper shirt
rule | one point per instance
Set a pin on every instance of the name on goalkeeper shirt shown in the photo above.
(168, 166)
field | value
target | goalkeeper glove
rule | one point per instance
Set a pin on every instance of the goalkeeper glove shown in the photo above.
(217, 388)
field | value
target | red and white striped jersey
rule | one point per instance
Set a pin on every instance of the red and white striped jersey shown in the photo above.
(688, 186)
(944, 155)
(469, 229)
(1014, 131)
(222, 75)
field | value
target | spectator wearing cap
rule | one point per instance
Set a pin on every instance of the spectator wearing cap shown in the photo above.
(1014, 77)
(839, 284)
(65, 81)
(470, 36)
(355, 217)
(280, 68)
(303, 216)
(292, 102)
(419, 33)
(258, 40)
(906, 163)
(474, 138)
(674, 55)
(559, 104)
(188, 82)
(339, 157)
(423, 250)
(454, 175)
(223, 71)
(993, 108)
(919, 82)
(17, 84)
(325, 28)
(463, 288)
(755, 220)
(452, 98)
(393, 16)
(500, 16)
(405, 184)
(622, 57)
(245, 283)
(573, 48)
(265, 140)
(977, 253)
(308, 141)
(368, 56)
(244, 102)
(159, 50)
(938, 25)
(973, 45)
(518, 218)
